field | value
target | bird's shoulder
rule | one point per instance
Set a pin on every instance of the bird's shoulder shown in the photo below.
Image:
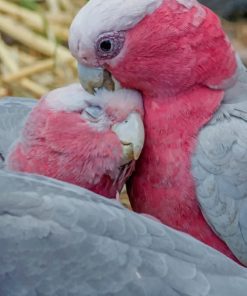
(219, 167)
(13, 112)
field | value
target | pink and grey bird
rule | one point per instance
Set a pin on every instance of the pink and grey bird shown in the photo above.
(60, 239)
(70, 135)
(192, 174)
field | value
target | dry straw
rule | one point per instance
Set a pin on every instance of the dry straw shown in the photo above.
(33, 46)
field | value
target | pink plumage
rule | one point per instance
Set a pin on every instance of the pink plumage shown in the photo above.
(177, 105)
(176, 54)
(73, 147)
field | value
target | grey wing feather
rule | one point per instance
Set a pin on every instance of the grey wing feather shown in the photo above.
(13, 113)
(236, 87)
(57, 239)
(220, 169)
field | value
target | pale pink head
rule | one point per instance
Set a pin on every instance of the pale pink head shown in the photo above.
(90, 141)
(155, 46)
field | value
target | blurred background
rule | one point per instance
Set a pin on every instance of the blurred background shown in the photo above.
(34, 57)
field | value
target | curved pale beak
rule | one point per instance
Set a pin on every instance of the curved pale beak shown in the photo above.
(131, 135)
(93, 78)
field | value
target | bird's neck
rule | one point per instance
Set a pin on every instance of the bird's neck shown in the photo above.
(168, 190)
(172, 125)
(194, 107)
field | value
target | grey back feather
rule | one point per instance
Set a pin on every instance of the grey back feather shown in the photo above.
(219, 167)
(13, 113)
(57, 239)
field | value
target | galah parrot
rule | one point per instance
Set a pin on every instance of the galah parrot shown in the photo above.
(192, 174)
(70, 135)
(57, 239)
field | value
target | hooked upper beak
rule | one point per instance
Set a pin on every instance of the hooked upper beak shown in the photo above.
(131, 135)
(93, 78)
(131, 131)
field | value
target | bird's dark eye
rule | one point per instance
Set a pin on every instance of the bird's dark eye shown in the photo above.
(106, 45)
(109, 45)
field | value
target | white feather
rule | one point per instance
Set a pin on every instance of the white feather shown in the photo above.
(110, 15)
(58, 99)
(74, 98)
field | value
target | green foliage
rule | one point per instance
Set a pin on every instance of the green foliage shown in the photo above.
(29, 4)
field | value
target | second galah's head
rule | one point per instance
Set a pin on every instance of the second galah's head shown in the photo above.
(154, 46)
(89, 140)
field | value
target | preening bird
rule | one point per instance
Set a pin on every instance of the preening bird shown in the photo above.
(70, 135)
(57, 239)
(192, 174)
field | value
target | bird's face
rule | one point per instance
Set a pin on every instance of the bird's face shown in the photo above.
(153, 46)
(104, 41)
(79, 138)
(114, 116)
(97, 34)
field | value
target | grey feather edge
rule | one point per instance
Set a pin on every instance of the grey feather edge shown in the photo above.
(219, 167)
(13, 113)
(59, 239)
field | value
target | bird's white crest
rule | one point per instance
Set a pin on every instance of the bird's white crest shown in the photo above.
(99, 16)
(69, 98)
(74, 98)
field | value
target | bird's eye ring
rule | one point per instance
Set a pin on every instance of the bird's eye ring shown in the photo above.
(109, 45)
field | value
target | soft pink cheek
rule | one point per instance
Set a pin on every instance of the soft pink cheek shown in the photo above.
(71, 134)
(64, 129)
(110, 148)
